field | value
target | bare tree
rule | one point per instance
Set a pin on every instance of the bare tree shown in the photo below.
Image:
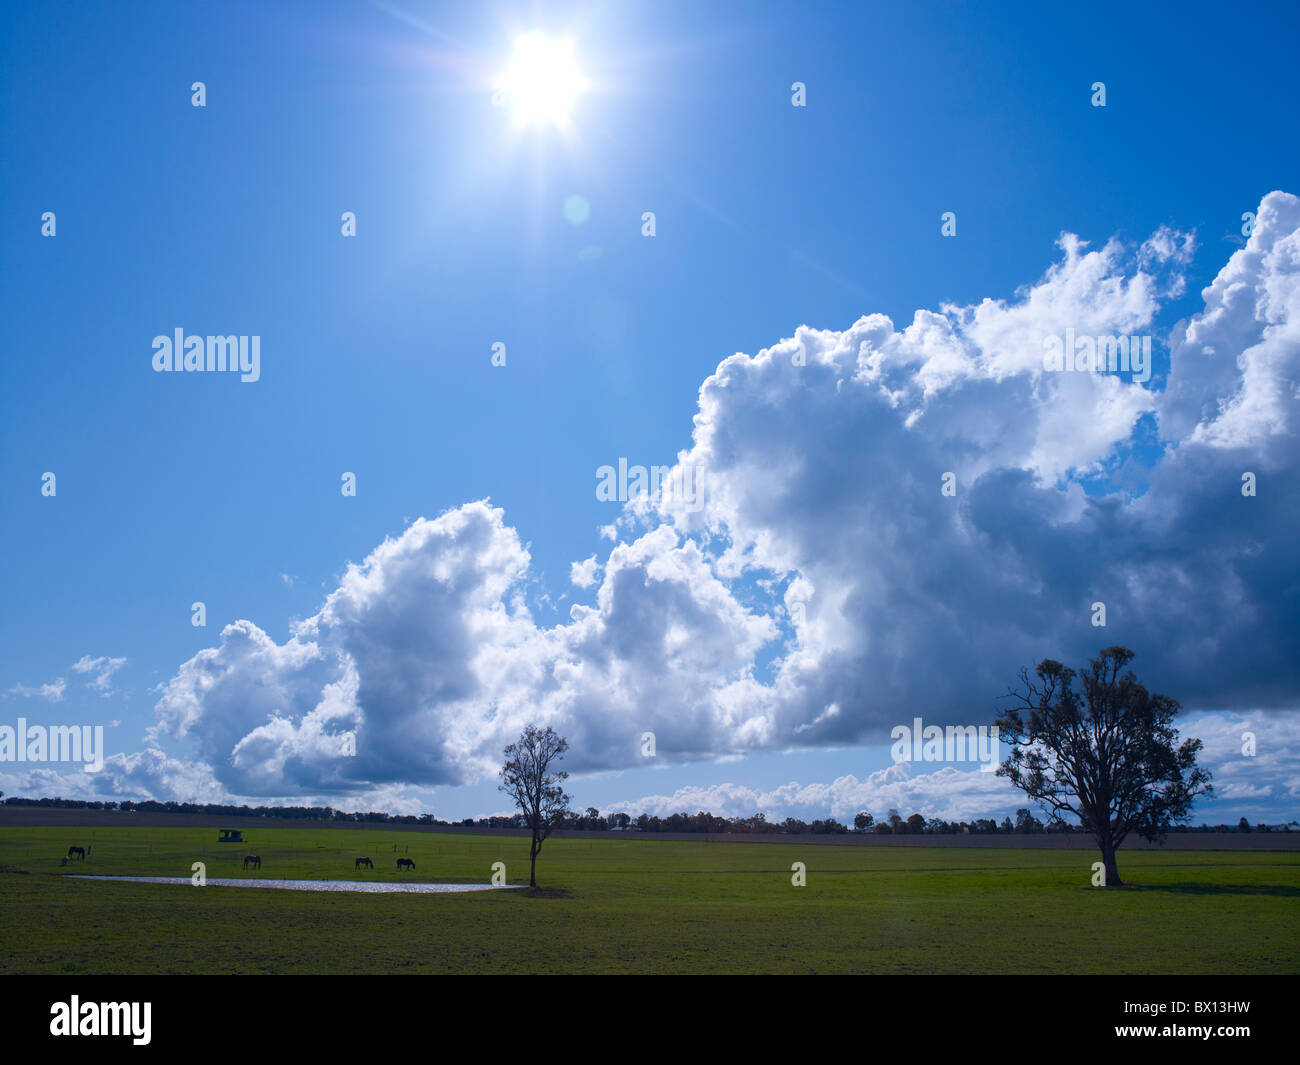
(527, 777)
(1106, 753)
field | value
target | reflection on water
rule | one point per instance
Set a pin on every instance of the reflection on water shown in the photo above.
(310, 885)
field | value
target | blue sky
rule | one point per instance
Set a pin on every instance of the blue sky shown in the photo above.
(376, 359)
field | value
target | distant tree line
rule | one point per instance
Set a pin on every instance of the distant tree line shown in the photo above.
(1025, 822)
(592, 820)
(298, 813)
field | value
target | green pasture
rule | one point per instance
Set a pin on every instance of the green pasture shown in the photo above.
(637, 905)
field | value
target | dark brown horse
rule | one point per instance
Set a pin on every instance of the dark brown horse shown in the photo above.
(79, 852)
(364, 861)
(405, 863)
(253, 860)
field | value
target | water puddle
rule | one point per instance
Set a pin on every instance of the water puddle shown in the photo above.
(371, 887)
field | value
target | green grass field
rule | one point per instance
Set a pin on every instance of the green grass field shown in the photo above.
(635, 905)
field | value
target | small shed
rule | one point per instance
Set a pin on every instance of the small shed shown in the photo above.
(230, 835)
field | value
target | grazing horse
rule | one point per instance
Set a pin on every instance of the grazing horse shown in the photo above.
(405, 863)
(80, 852)
(253, 860)
(364, 861)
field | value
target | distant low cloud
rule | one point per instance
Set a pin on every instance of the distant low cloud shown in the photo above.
(101, 670)
(1247, 782)
(52, 691)
(583, 574)
(948, 793)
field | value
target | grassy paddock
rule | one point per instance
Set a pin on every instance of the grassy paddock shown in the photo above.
(619, 904)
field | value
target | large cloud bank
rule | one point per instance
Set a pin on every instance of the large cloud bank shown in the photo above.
(827, 589)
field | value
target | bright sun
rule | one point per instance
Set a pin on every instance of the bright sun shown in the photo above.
(543, 80)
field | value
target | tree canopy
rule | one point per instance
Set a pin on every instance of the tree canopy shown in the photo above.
(1106, 752)
(537, 789)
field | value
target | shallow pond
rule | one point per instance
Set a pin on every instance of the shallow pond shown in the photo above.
(374, 887)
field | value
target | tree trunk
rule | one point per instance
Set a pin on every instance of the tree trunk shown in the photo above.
(532, 857)
(1108, 860)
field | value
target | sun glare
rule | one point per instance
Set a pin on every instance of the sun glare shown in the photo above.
(543, 81)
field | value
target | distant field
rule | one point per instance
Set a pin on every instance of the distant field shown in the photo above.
(60, 817)
(636, 904)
